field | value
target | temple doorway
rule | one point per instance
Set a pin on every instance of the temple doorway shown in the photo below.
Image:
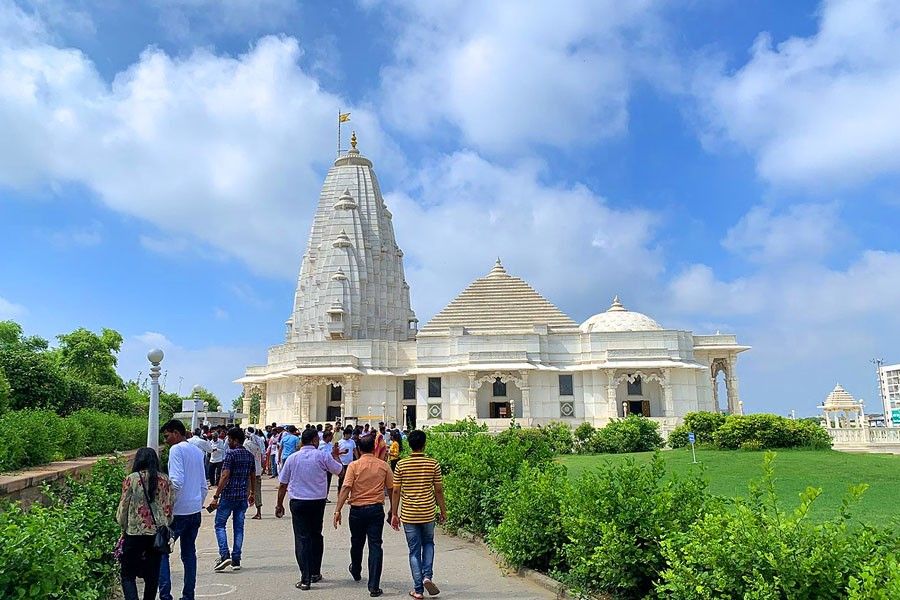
(500, 410)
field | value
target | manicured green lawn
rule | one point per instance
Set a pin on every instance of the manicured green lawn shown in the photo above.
(729, 471)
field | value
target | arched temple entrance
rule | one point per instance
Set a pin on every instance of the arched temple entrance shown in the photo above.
(726, 367)
(499, 395)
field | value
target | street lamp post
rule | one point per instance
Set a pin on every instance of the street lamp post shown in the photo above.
(195, 396)
(384, 411)
(405, 417)
(155, 357)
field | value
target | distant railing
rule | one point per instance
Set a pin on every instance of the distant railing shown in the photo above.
(865, 436)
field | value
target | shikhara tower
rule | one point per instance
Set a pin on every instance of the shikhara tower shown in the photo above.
(351, 284)
(353, 350)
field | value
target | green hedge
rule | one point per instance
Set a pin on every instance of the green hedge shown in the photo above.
(36, 437)
(633, 531)
(63, 549)
(749, 432)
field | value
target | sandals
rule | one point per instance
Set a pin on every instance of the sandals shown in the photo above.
(416, 595)
(430, 587)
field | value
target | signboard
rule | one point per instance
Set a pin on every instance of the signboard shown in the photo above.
(188, 405)
(895, 416)
(691, 438)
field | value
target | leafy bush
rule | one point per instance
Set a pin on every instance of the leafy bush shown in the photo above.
(36, 437)
(631, 434)
(878, 580)
(531, 532)
(754, 549)
(766, 431)
(616, 521)
(480, 471)
(467, 425)
(64, 549)
(583, 434)
(4, 392)
(702, 424)
(35, 381)
(560, 437)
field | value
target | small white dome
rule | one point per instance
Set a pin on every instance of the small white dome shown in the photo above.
(617, 318)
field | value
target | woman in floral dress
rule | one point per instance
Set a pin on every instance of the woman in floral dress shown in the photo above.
(139, 559)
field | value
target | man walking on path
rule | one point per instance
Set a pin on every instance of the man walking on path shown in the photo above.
(347, 448)
(218, 446)
(364, 485)
(288, 444)
(418, 488)
(188, 479)
(253, 447)
(303, 479)
(234, 494)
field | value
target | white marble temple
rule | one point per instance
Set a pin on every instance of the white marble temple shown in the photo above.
(500, 349)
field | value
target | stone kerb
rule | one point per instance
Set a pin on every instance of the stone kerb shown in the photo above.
(26, 486)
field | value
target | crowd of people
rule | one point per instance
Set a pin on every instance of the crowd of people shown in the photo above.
(232, 461)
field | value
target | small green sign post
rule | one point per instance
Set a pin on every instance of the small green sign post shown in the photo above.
(895, 416)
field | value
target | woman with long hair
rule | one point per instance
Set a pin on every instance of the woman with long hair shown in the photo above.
(146, 503)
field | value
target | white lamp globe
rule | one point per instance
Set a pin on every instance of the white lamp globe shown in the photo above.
(196, 390)
(155, 356)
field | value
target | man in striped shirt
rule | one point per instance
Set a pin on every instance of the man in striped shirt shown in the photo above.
(419, 491)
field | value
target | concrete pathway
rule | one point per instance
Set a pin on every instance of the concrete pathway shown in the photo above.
(463, 570)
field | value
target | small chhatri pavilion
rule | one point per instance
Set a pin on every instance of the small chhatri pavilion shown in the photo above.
(841, 410)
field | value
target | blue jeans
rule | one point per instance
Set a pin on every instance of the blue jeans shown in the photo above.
(420, 539)
(184, 528)
(236, 509)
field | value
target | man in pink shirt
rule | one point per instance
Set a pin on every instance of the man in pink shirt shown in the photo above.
(304, 480)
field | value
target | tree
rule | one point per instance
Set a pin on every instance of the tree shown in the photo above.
(11, 336)
(4, 392)
(212, 402)
(35, 380)
(91, 357)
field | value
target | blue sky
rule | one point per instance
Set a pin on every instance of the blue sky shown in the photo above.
(718, 164)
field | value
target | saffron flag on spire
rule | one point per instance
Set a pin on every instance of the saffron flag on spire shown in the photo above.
(343, 117)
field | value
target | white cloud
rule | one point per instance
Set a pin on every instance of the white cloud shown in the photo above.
(186, 19)
(799, 233)
(512, 74)
(227, 150)
(810, 324)
(818, 110)
(91, 235)
(220, 313)
(10, 310)
(567, 242)
(213, 367)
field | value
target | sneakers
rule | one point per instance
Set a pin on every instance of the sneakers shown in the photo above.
(376, 592)
(354, 575)
(235, 565)
(224, 563)
(430, 587)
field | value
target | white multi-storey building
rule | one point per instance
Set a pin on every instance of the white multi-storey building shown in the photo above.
(890, 390)
(353, 349)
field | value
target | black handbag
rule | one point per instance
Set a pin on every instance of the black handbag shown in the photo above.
(162, 542)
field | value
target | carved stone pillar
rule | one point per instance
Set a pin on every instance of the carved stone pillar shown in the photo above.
(262, 404)
(526, 398)
(245, 405)
(305, 401)
(473, 394)
(715, 394)
(611, 393)
(731, 385)
(669, 401)
(350, 394)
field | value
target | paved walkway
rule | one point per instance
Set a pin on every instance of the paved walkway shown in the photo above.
(463, 570)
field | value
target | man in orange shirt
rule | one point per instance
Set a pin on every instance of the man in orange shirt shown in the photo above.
(364, 485)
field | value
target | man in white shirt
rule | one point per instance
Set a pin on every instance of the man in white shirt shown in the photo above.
(346, 447)
(219, 446)
(189, 484)
(252, 445)
(198, 441)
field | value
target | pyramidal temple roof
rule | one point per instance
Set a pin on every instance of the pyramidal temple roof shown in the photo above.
(498, 302)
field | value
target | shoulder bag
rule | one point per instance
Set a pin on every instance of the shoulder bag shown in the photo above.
(162, 543)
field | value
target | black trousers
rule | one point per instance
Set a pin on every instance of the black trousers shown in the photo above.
(367, 523)
(215, 471)
(306, 518)
(139, 559)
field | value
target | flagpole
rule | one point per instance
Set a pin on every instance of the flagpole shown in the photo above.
(339, 134)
